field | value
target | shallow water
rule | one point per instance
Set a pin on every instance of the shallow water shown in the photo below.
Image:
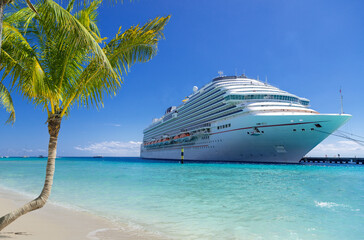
(205, 201)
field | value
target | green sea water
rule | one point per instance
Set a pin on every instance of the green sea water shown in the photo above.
(204, 201)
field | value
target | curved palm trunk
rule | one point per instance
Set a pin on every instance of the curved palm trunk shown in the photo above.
(54, 124)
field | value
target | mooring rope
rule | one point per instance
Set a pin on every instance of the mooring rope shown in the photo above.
(352, 134)
(360, 142)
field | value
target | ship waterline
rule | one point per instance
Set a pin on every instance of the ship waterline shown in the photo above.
(239, 119)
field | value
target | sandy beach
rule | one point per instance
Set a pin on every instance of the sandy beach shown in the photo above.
(58, 223)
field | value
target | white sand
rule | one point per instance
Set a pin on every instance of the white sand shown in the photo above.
(58, 223)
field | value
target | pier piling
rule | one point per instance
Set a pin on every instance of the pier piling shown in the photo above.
(182, 157)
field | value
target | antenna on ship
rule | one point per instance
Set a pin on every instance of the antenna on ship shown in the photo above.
(341, 96)
(236, 72)
(220, 73)
(266, 80)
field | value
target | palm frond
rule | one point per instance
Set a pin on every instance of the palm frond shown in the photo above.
(7, 102)
(58, 22)
(137, 44)
(30, 5)
(88, 18)
(20, 61)
(21, 18)
(70, 5)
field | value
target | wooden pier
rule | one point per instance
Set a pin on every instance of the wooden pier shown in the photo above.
(335, 160)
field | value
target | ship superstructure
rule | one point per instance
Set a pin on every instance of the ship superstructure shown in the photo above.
(235, 118)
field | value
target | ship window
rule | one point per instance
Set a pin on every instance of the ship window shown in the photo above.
(305, 103)
(294, 130)
(266, 96)
(303, 129)
(318, 125)
(312, 129)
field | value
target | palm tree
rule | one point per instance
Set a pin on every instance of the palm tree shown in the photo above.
(55, 60)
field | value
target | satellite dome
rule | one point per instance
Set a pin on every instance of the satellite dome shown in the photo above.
(195, 88)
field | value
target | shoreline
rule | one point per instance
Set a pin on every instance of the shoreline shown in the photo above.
(58, 223)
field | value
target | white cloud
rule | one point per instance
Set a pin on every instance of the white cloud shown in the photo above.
(112, 148)
(343, 147)
(33, 150)
(113, 124)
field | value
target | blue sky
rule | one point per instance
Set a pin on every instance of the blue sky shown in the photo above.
(309, 48)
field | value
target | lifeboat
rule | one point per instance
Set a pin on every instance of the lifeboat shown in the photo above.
(174, 139)
(166, 141)
(178, 138)
(185, 137)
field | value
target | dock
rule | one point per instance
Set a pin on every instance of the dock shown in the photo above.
(335, 160)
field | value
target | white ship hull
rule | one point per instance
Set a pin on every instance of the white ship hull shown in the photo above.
(254, 138)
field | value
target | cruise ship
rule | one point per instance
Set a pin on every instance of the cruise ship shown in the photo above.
(239, 119)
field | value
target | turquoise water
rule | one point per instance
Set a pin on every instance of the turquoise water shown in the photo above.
(205, 201)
